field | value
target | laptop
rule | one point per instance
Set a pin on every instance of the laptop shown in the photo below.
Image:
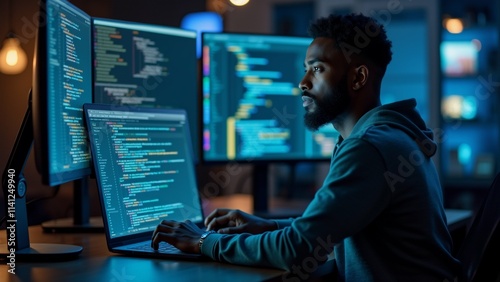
(143, 162)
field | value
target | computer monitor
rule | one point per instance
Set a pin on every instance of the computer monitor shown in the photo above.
(251, 105)
(251, 102)
(62, 83)
(146, 65)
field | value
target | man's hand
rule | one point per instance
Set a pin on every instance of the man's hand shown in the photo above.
(228, 221)
(183, 235)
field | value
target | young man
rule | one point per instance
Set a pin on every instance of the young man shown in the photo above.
(380, 209)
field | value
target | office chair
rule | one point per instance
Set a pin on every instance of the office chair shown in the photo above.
(480, 250)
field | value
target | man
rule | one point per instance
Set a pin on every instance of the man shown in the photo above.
(380, 208)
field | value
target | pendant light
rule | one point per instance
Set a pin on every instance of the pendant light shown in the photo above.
(13, 59)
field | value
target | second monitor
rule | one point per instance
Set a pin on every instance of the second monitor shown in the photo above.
(146, 65)
(251, 103)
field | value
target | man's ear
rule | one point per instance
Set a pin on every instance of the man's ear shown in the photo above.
(360, 77)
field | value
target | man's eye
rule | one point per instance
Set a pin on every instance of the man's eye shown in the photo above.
(314, 69)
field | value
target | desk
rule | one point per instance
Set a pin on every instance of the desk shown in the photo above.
(97, 264)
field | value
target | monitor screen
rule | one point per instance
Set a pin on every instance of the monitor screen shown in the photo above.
(146, 170)
(251, 103)
(62, 83)
(146, 65)
(459, 58)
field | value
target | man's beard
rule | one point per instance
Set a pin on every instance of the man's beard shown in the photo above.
(330, 108)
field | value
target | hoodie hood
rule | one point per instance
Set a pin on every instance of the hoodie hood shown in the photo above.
(402, 115)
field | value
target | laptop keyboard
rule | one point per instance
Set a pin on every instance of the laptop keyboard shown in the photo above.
(162, 248)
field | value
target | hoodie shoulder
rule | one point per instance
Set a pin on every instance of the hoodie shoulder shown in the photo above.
(395, 123)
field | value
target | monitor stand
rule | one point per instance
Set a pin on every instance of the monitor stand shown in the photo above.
(260, 189)
(81, 221)
(17, 246)
(260, 192)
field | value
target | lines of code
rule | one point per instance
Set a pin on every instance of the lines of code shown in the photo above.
(69, 87)
(251, 101)
(146, 65)
(143, 165)
(124, 60)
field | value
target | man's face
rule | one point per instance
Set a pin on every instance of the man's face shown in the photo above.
(325, 92)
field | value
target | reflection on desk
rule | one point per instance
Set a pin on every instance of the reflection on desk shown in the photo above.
(121, 268)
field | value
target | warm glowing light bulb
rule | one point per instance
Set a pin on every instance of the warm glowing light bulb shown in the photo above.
(454, 25)
(13, 59)
(239, 2)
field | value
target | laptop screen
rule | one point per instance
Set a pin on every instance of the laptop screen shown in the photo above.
(144, 167)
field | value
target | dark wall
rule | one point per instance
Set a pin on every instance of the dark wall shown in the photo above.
(162, 12)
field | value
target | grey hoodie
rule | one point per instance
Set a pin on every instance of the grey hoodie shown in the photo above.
(380, 209)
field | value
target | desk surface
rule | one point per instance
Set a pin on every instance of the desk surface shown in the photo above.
(96, 263)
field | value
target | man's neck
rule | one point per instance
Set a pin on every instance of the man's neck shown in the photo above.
(344, 123)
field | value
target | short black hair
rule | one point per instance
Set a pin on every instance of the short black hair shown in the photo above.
(355, 34)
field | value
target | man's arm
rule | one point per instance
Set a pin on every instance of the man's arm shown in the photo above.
(282, 223)
(353, 194)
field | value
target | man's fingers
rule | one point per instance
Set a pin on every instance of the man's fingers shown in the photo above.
(215, 213)
(162, 231)
(232, 230)
(154, 241)
(162, 228)
(171, 223)
(221, 221)
(158, 238)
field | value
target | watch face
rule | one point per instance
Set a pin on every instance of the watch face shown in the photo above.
(203, 236)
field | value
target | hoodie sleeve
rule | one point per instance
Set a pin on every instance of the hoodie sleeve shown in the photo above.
(352, 195)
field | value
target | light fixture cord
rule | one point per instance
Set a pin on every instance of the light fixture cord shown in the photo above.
(11, 26)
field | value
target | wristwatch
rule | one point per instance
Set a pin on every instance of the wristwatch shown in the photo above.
(202, 238)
